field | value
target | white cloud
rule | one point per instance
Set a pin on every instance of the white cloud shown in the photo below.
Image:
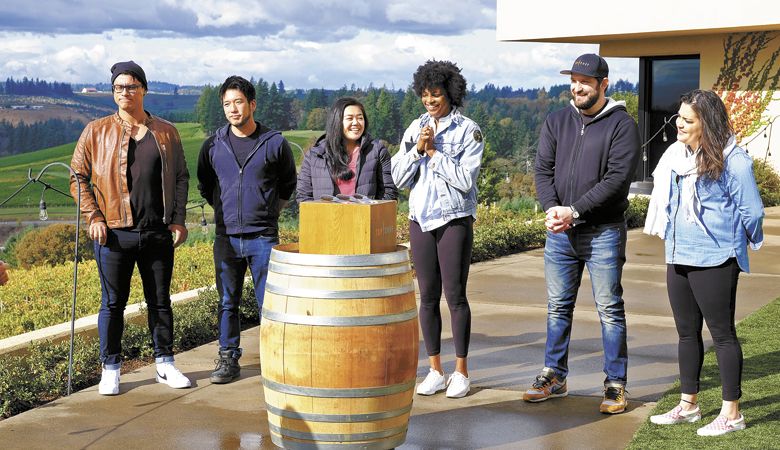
(360, 56)
(427, 47)
(220, 13)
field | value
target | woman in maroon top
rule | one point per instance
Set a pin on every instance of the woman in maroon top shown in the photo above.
(346, 160)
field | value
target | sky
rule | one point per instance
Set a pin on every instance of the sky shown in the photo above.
(307, 44)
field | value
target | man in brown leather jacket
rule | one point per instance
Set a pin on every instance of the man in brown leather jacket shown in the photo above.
(134, 184)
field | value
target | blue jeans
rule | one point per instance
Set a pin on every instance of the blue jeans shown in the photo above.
(152, 251)
(602, 248)
(232, 256)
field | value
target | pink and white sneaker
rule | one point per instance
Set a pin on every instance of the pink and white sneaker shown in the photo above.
(677, 415)
(722, 425)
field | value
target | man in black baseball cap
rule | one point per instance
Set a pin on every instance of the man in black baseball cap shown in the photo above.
(586, 156)
(590, 65)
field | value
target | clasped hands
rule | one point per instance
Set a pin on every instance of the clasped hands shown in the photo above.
(558, 219)
(425, 141)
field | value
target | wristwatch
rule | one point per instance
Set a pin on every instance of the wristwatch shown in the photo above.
(574, 212)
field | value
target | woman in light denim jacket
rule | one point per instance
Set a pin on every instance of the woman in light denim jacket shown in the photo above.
(706, 205)
(439, 158)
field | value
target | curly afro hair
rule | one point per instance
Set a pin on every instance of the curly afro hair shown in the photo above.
(441, 74)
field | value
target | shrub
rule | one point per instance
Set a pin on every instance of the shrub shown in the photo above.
(41, 296)
(402, 227)
(637, 211)
(52, 245)
(42, 375)
(8, 254)
(197, 235)
(498, 232)
(768, 183)
(520, 203)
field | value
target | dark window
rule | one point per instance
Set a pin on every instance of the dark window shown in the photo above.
(661, 82)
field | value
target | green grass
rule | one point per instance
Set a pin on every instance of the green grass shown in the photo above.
(13, 173)
(760, 399)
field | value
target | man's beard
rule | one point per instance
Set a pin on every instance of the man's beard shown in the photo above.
(242, 122)
(589, 102)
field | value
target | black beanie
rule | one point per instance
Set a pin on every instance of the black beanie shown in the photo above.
(129, 67)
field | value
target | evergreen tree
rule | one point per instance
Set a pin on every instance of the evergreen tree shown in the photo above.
(385, 122)
(261, 97)
(275, 112)
(288, 116)
(369, 103)
(315, 98)
(209, 110)
(411, 108)
(489, 177)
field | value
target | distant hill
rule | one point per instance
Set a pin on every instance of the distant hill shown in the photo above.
(157, 87)
(18, 113)
(31, 109)
(163, 105)
(13, 170)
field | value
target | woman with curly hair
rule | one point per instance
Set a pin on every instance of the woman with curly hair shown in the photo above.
(345, 160)
(439, 159)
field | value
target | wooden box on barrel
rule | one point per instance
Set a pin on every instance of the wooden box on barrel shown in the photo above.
(339, 332)
(328, 228)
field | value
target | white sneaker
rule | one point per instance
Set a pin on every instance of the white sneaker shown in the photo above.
(677, 415)
(109, 382)
(458, 385)
(432, 383)
(722, 425)
(168, 373)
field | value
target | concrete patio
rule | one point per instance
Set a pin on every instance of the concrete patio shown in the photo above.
(508, 302)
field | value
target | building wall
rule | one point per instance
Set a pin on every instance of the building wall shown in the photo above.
(637, 19)
(743, 67)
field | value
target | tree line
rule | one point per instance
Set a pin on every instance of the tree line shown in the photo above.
(27, 86)
(22, 137)
(510, 119)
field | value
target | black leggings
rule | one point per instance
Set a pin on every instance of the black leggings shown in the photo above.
(442, 257)
(707, 293)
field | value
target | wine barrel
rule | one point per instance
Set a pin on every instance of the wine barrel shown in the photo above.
(339, 348)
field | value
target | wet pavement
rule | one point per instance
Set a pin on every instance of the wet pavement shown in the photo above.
(508, 303)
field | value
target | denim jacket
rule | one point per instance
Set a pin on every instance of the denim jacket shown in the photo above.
(731, 214)
(443, 187)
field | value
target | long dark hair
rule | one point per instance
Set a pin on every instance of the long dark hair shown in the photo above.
(716, 129)
(335, 154)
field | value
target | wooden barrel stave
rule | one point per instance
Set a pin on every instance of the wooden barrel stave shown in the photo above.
(333, 344)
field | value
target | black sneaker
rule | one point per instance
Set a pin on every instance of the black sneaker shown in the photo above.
(227, 368)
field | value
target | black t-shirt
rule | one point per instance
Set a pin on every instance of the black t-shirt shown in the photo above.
(586, 118)
(144, 181)
(243, 146)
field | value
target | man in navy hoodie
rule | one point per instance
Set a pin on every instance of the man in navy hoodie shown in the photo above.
(246, 171)
(586, 156)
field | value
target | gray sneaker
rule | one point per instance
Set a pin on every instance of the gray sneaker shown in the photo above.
(227, 368)
(546, 385)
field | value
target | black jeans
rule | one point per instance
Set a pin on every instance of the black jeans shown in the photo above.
(152, 251)
(709, 294)
(442, 257)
